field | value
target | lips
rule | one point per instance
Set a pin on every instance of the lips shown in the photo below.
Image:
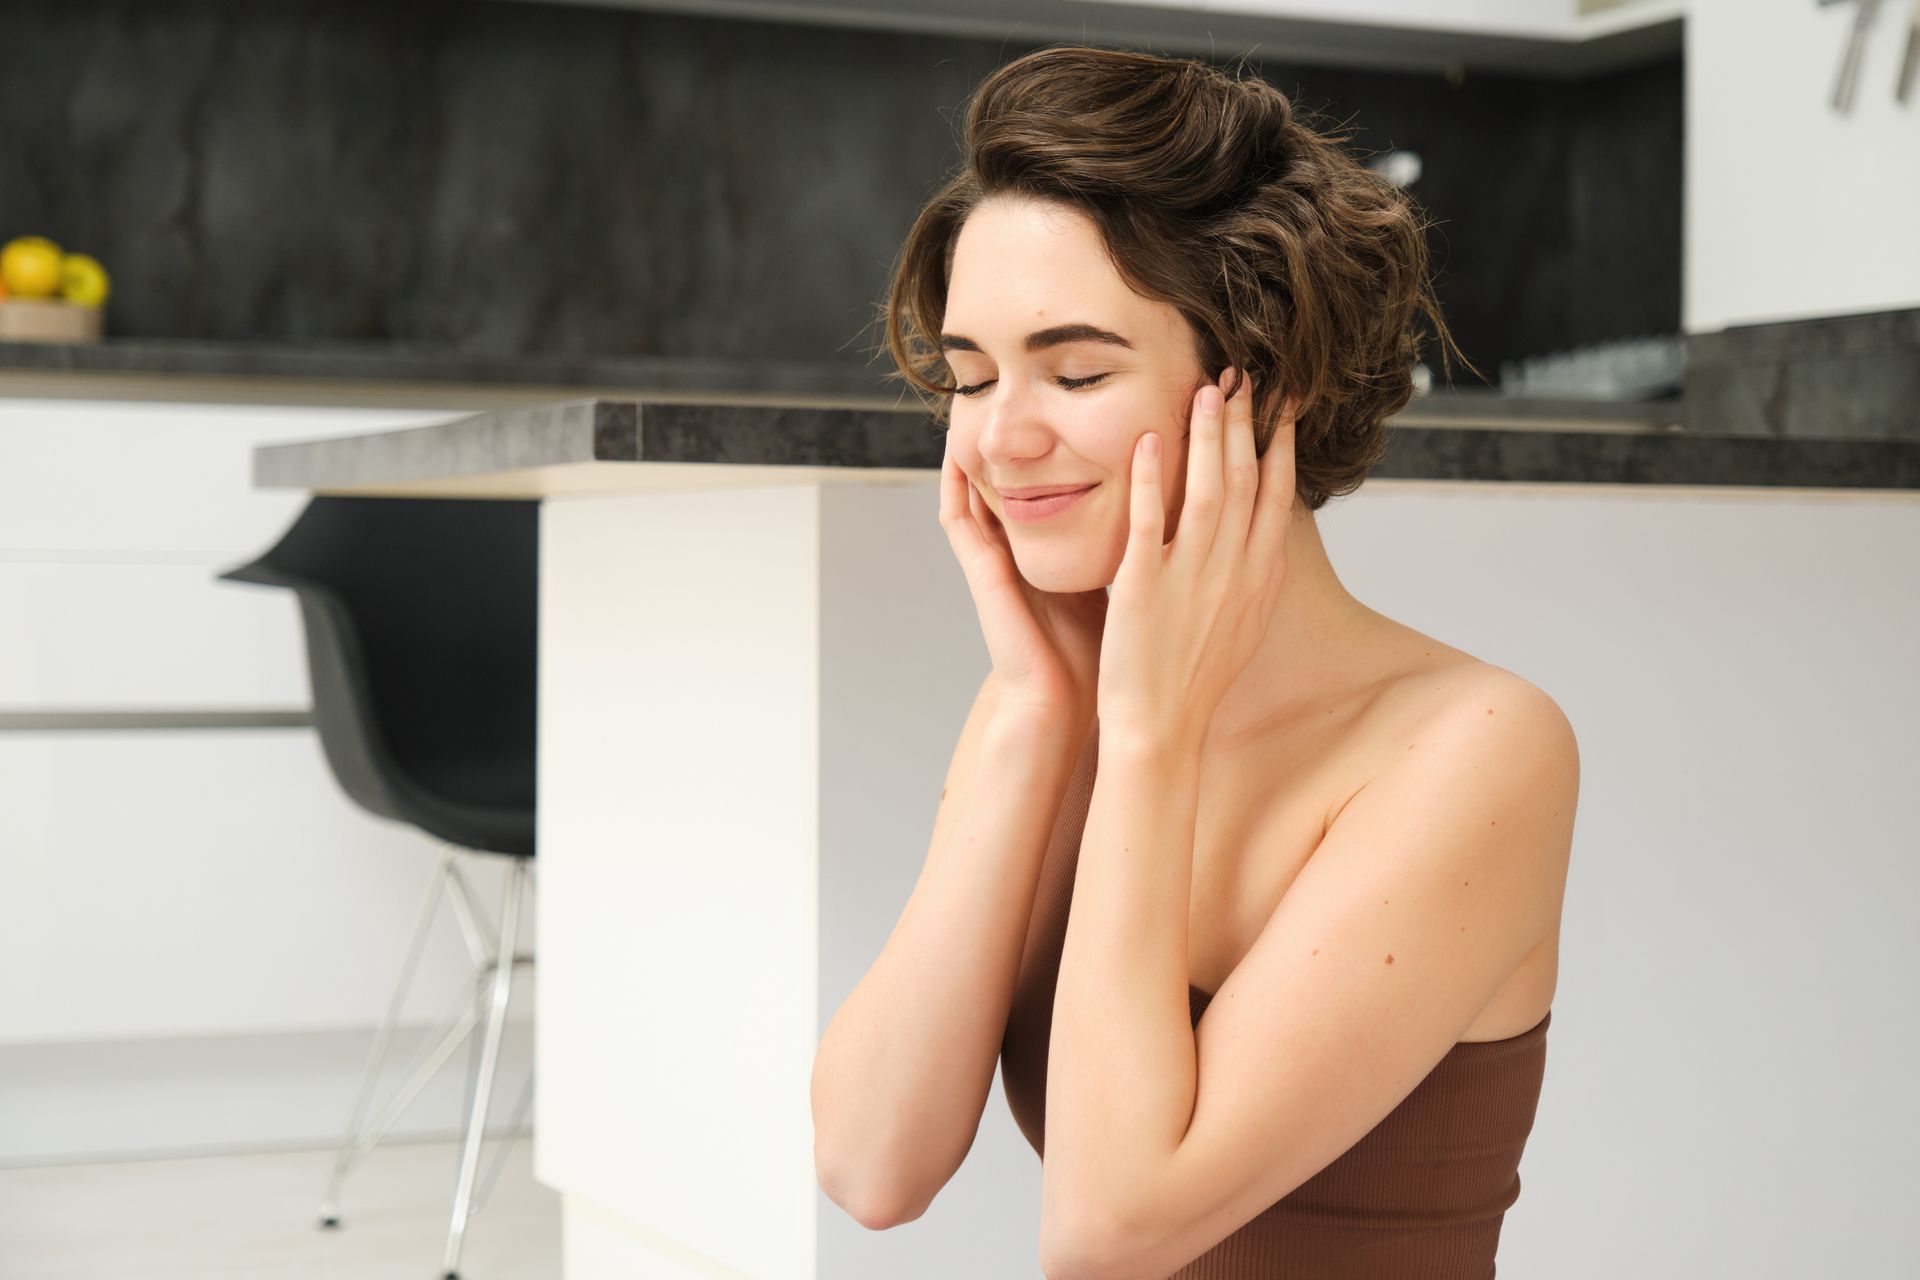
(1043, 490)
(1022, 510)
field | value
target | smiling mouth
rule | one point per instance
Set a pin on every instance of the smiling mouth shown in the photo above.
(1049, 491)
(1022, 510)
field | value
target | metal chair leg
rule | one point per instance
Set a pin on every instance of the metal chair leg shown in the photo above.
(454, 1029)
(482, 989)
(489, 1059)
(492, 1175)
(377, 1055)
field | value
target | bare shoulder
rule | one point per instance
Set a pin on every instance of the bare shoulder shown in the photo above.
(1432, 690)
(1481, 689)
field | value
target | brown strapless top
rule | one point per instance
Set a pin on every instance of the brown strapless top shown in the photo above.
(1423, 1194)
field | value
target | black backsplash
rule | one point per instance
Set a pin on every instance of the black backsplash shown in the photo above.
(516, 178)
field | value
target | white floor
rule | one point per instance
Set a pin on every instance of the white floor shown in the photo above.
(216, 1217)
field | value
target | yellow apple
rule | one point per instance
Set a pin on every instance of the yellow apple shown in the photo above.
(83, 280)
(31, 266)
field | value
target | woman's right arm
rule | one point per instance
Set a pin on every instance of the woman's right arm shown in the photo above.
(902, 1073)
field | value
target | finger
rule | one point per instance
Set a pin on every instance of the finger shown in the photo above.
(989, 523)
(956, 514)
(1273, 507)
(1200, 508)
(1146, 523)
(1241, 476)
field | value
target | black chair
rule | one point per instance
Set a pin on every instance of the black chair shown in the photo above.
(421, 625)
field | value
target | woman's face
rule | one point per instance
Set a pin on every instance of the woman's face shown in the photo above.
(1066, 367)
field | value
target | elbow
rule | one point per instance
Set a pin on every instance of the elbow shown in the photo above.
(1090, 1247)
(1075, 1255)
(875, 1206)
(884, 1213)
(863, 1180)
(1061, 1262)
(1057, 1263)
(1086, 1266)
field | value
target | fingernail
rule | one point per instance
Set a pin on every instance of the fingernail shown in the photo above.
(1210, 400)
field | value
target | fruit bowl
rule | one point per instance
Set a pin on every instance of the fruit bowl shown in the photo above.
(48, 320)
(49, 295)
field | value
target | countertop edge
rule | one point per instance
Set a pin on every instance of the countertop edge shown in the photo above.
(602, 445)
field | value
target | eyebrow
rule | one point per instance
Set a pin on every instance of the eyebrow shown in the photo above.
(1041, 339)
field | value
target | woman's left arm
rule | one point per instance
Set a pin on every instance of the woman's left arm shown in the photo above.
(1429, 888)
(1122, 1069)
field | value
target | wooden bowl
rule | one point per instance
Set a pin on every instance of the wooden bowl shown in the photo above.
(48, 320)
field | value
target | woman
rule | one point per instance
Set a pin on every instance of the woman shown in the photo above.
(1294, 1022)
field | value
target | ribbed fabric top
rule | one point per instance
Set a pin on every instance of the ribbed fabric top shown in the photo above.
(1423, 1194)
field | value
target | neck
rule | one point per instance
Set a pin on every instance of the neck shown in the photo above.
(1313, 640)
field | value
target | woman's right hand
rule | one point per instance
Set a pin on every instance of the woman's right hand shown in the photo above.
(1045, 645)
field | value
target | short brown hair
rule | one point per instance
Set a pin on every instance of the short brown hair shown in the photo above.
(1290, 258)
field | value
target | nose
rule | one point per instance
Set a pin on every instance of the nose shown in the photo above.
(1011, 424)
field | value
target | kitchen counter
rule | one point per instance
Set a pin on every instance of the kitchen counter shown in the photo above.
(633, 445)
(398, 373)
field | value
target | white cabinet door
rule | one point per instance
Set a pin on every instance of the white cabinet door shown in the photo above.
(146, 482)
(115, 520)
(1486, 17)
(208, 883)
(105, 635)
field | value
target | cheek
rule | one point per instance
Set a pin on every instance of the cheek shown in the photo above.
(964, 447)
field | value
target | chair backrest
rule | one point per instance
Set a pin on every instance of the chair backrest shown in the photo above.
(421, 618)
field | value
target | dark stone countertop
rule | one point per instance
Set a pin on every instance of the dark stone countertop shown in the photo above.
(399, 361)
(602, 445)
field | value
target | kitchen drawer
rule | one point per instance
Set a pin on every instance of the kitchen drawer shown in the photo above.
(105, 636)
(141, 480)
(209, 882)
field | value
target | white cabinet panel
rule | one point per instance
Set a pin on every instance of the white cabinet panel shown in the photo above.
(154, 481)
(107, 636)
(209, 883)
(1489, 17)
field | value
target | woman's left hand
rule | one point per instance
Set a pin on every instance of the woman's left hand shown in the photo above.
(1184, 618)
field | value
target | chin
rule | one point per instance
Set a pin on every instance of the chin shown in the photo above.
(1063, 574)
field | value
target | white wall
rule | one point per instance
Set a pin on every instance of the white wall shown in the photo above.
(1729, 1075)
(199, 932)
(1730, 1065)
(1792, 209)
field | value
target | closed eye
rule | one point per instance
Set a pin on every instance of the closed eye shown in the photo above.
(1071, 384)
